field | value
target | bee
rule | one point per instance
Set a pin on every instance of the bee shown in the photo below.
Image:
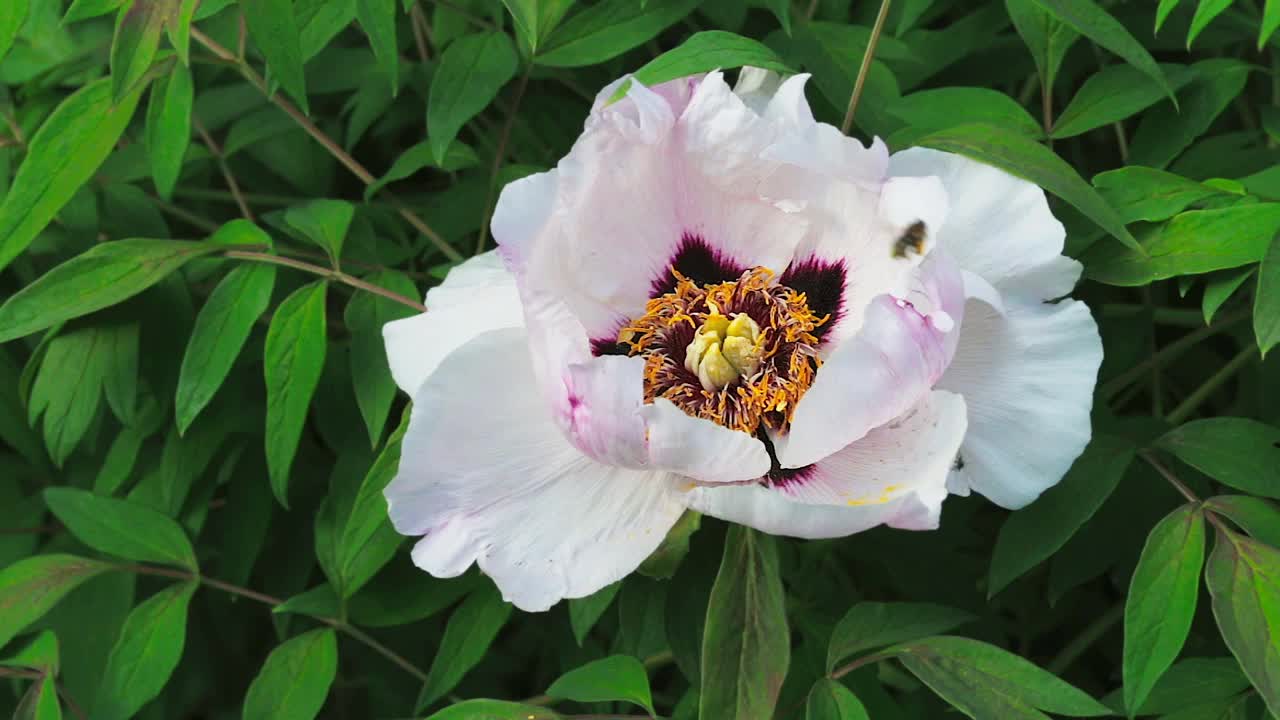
(911, 239)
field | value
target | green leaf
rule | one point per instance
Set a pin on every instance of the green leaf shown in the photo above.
(1047, 38)
(12, 15)
(136, 41)
(1239, 452)
(1162, 601)
(68, 389)
(1163, 10)
(1244, 581)
(664, 561)
(274, 30)
(871, 625)
(1188, 683)
(221, 329)
(120, 371)
(942, 108)
(1162, 136)
(145, 654)
(1141, 193)
(365, 316)
(320, 602)
(1266, 304)
(471, 72)
(1206, 11)
(984, 681)
(585, 612)
(85, 9)
(608, 29)
(323, 222)
(293, 362)
(706, 51)
(295, 680)
(471, 629)
(179, 28)
(1091, 21)
(1270, 21)
(1260, 518)
(1113, 94)
(30, 587)
(378, 19)
(617, 677)
(168, 131)
(746, 647)
(97, 278)
(829, 700)
(1031, 535)
(459, 156)
(121, 528)
(494, 710)
(39, 654)
(1219, 289)
(61, 157)
(366, 540)
(535, 19)
(40, 702)
(1193, 242)
(1028, 159)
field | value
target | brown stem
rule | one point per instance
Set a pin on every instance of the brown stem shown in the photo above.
(221, 159)
(71, 704)
(342, 156)
(325, 272)
(864, 660)
(498, 157)
(418, 22)
(867, 57)
(184, 215)
(381, 649)
(1181, 487)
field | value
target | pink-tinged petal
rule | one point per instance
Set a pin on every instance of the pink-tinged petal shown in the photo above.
(1028, 376)
(999, 226)
(485, 477)
(700, 449)
(896, 476)
(901, 350)
(477, 296)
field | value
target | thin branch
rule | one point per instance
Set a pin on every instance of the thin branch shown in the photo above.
(342, 156)
(230, 179)
(381, 649)
(864, 660)
(498, 157)
(325, 272)
(182, 214)
(418, 22)
(1167, 474)
(1197, 397)
(1087, 637)
(867, 57)
(1167, 354)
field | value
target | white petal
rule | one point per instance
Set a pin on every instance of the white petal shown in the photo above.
(896, 475)
(477, 296)
(701, 449)
(999, 226)
(486, 478)
(893, 361)
(1027, 376)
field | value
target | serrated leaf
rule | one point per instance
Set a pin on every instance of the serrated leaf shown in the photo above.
(295, 679)
(471, 72)
(829, 700)
(168, 131)
(1033, 534)
(1113, 94)
(1095, 23)
(1244, 581)
(293, 362)
(378, 19)
(1239, 452)
(984, 681)
(100, 277)
(1028, 159)
(145, 654)
(870, 625)
(617, 677)
(471, 629)
(121, 528)
(1260, 518)
(608, 29)
(746, 647)
(1193, 242)
(274, 29)
(221, 329)
(136, 40)
(323, 222)
(61, 157)
(1266, 304)
(1162, 601)
(30, 587)
(585, 612)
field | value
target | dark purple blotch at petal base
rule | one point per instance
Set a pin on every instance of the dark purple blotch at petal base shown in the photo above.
(823, 283)
(695, 259)
(780, 477)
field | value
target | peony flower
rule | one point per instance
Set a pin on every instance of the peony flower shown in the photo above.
(716, 303)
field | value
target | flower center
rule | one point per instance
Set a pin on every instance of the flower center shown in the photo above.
(739, 353)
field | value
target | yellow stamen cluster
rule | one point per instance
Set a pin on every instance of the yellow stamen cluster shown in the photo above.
(739, 353)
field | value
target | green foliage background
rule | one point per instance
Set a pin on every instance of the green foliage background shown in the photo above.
(211, 207)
